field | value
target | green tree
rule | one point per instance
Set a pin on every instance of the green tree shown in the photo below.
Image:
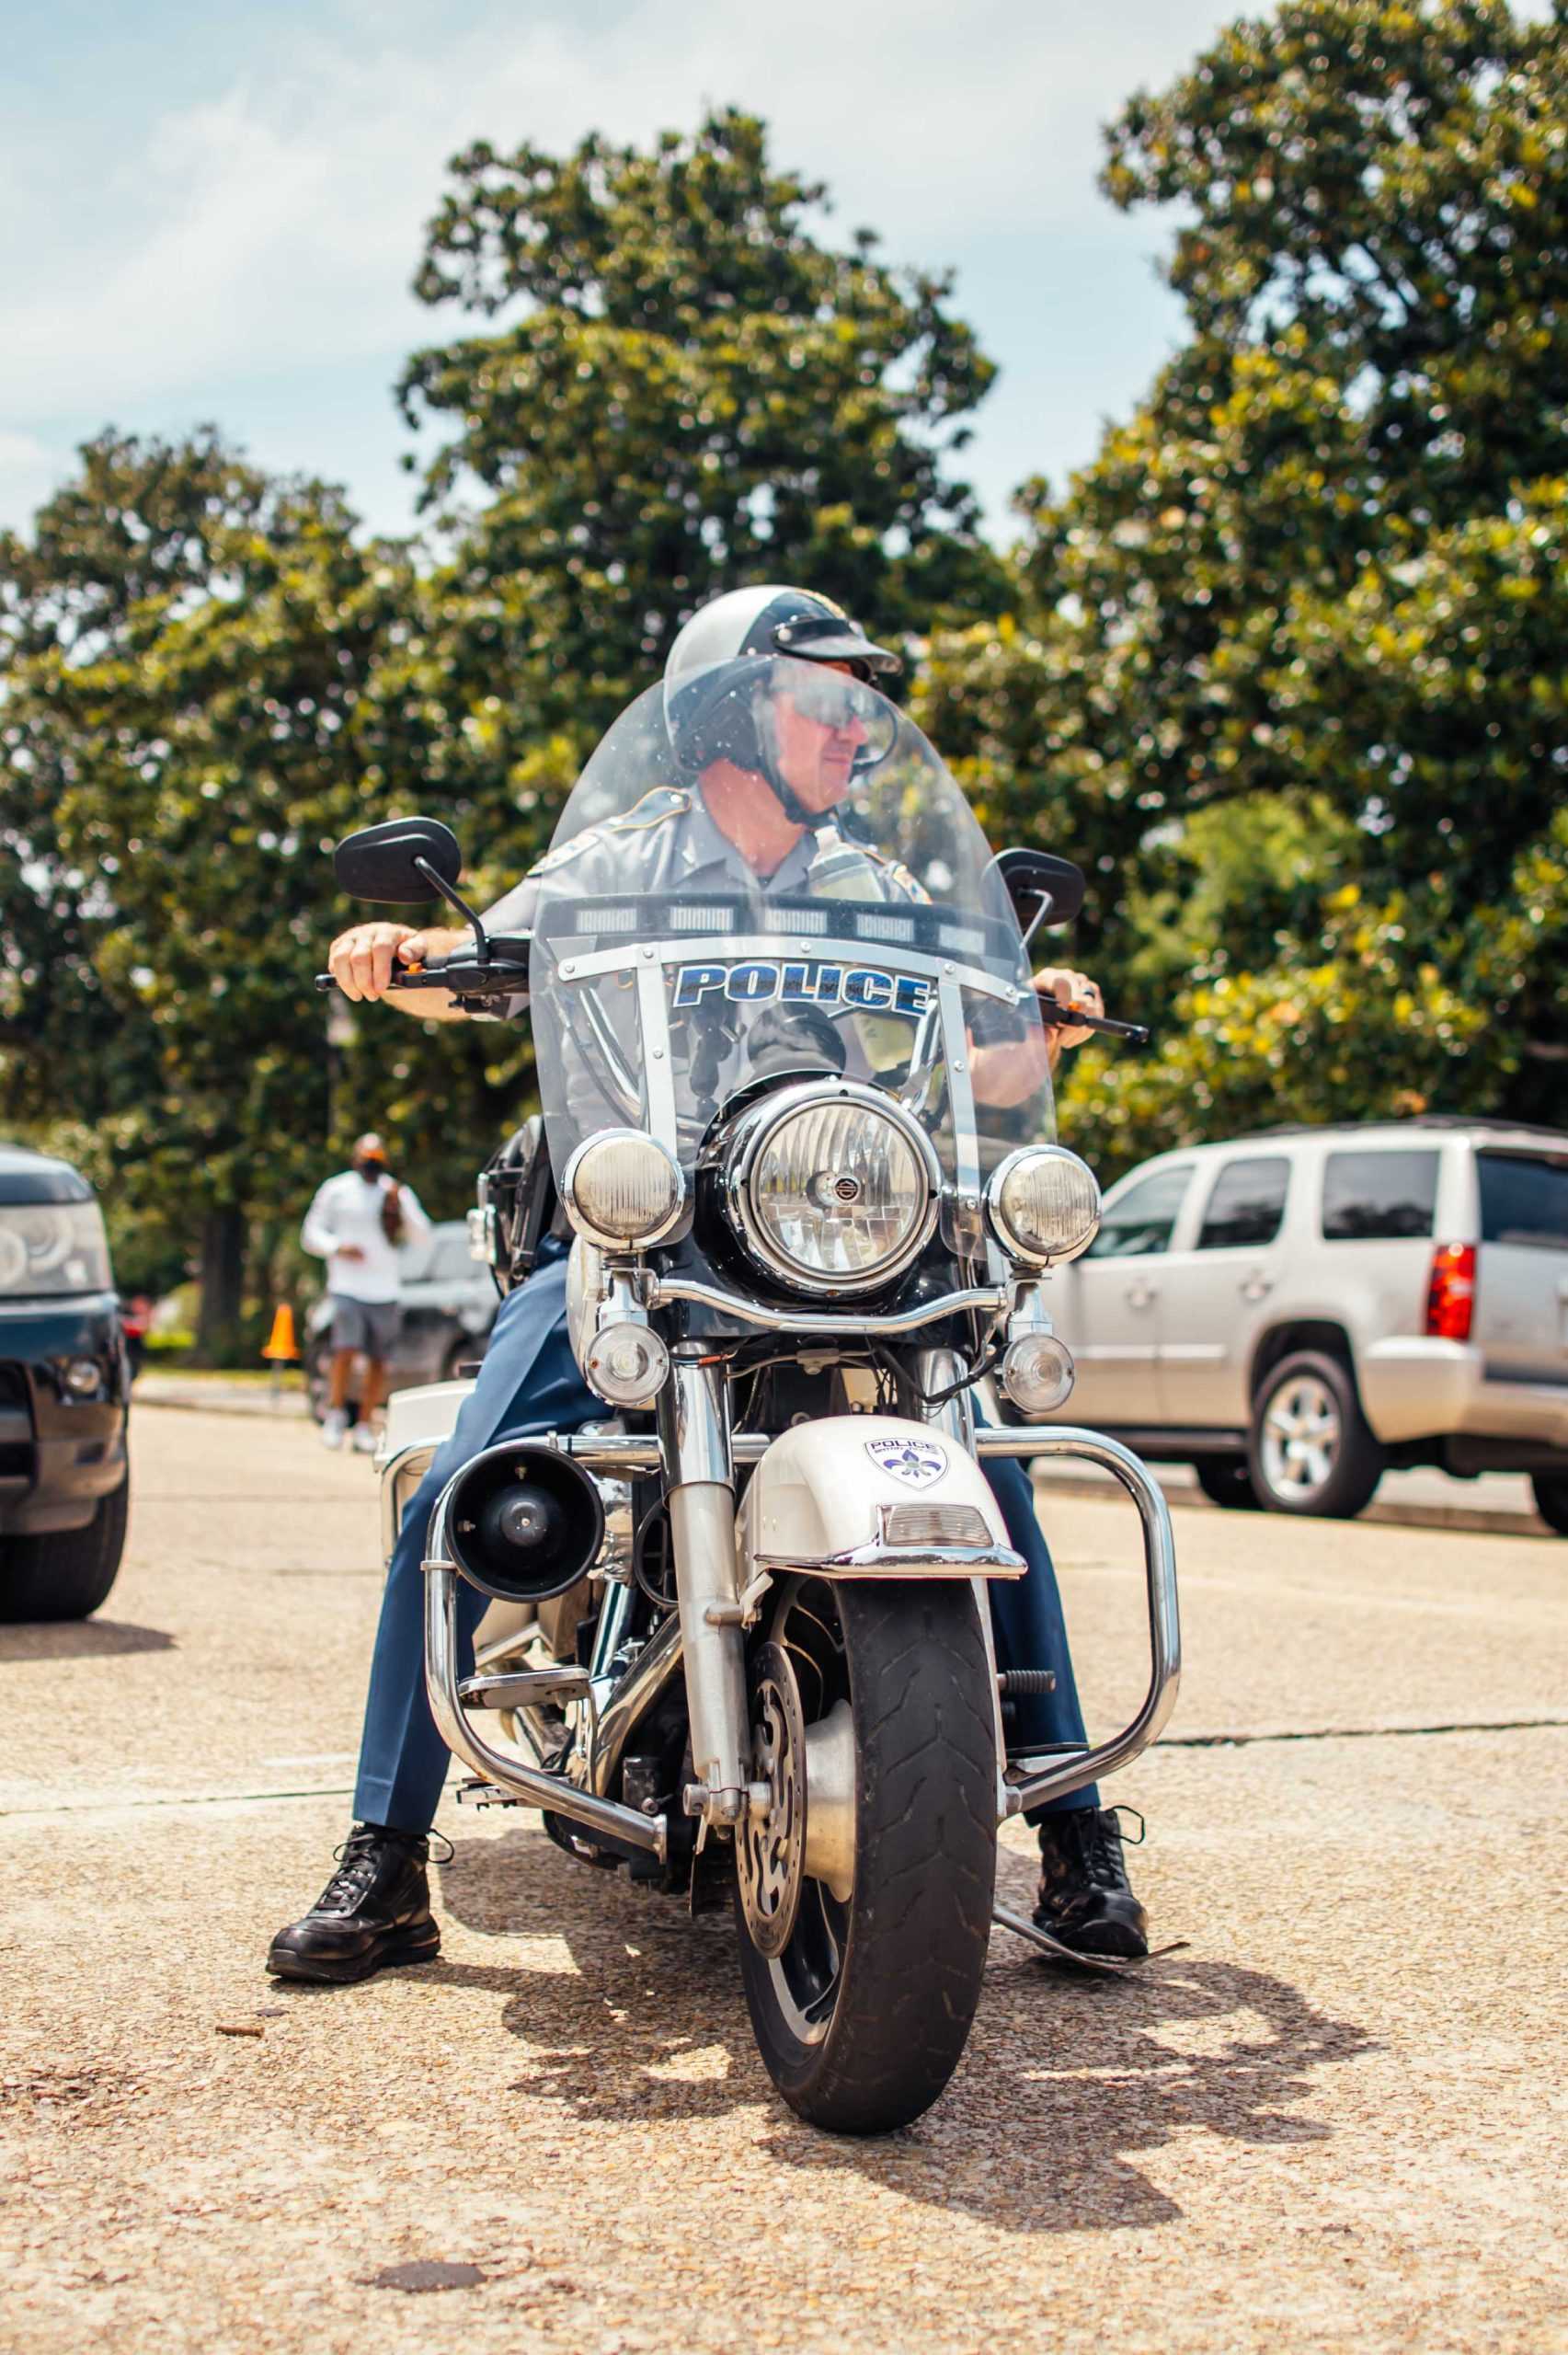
(1322, 562)
(208, 675)
(191, 717)
(679, 387)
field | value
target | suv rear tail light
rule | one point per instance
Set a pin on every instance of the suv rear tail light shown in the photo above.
(1450, 1295)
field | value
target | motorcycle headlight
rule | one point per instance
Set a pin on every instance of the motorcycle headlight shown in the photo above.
(623, 1189)
(1044, 1204)
(50, 1248)
(833, 1190)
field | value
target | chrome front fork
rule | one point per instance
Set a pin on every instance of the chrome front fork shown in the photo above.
(694, 1424)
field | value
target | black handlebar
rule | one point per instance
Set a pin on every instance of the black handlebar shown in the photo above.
(462, 977)
(1057, 1017)
(479, 978)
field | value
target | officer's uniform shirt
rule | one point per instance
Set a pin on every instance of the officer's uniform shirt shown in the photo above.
(667, 843)
(667, 846)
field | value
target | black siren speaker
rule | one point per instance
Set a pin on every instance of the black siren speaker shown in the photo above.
(523, 1521)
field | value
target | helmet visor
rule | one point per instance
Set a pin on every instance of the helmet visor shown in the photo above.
(825, 638)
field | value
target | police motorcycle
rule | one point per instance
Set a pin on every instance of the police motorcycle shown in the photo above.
(800, 1132)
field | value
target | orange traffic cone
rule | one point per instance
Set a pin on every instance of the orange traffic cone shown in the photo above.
(281, 1346)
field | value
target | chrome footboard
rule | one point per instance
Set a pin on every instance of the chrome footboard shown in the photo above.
(1074, 1768)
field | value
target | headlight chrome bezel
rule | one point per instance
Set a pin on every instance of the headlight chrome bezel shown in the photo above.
(1007, 1233)
(582, 1218)
(748, 1140)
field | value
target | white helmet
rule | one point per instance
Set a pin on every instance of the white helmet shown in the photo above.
(772, 620)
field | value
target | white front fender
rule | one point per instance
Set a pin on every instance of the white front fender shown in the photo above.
(872, 1496)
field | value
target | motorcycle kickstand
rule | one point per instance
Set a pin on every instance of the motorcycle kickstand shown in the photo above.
(1043, 1943)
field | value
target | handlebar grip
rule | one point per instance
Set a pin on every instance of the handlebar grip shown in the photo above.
(410, 977)
(1057, 1017)
(1136, 1032)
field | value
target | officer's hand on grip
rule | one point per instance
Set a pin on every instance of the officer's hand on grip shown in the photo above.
(1074, 990)
(361, 959)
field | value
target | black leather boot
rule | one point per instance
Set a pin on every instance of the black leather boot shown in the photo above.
(1086, 1899)
(374, 1911)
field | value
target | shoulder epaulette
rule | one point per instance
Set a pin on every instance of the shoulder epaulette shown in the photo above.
(654, 808)
(563, 853)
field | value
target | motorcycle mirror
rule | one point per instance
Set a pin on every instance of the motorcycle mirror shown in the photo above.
(1043, 890)
(405, 861)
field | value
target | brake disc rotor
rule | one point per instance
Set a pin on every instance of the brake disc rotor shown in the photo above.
(771, 1841)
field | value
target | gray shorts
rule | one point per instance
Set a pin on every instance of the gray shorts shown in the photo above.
(367, 1325)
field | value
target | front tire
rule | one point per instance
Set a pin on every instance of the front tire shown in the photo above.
(1311, 1449)
(862, 2016)
(66, 1573)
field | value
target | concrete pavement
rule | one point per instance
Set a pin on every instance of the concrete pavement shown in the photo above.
(1334, 2116)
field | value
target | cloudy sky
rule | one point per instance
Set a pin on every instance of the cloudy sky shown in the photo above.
(215, 214)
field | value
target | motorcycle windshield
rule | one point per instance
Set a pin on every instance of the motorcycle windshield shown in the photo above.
(767, 872)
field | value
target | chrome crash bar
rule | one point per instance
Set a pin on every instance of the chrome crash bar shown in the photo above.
(991, 1300)
(1076, 1767)
(614, 1453)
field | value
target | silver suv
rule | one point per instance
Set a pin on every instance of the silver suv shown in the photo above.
(1297, 1311)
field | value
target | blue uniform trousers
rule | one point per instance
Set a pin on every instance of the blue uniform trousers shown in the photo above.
(530, 1382)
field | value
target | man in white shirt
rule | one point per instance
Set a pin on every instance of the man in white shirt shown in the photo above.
(356, 1223)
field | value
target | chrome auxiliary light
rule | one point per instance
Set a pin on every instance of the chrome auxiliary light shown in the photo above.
(624, 1191)
(1044, 1204)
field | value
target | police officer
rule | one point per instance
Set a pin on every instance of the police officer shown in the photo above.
(753, 815)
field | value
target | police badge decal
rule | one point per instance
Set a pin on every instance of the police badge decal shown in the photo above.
(917, 1462)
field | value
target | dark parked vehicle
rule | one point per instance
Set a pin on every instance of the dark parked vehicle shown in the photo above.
(64, 1385)
(448, 1306)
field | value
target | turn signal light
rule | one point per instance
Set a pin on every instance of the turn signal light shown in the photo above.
(1038, 1373)
(1450, 1295)
(627, 1364)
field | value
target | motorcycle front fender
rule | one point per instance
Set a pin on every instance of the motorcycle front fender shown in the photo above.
(872, 1496)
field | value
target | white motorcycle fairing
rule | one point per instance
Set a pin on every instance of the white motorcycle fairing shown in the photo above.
(872, 1496)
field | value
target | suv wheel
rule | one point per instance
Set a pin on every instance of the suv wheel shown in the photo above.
(1225, 1480)
(1551, 1499)
(1310, 1450)
(66, 1573)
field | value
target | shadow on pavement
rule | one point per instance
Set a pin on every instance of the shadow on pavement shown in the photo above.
(79, 1640)
(1077, 2076)
(645, 2022)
